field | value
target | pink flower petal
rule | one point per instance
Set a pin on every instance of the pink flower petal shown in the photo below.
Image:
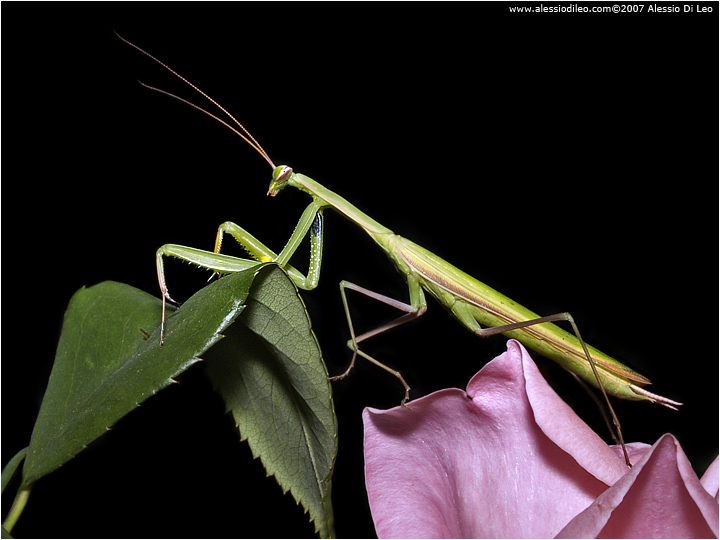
(478, 464)
(560, 423)
(510, 459)
(711, 478)
(660, 497)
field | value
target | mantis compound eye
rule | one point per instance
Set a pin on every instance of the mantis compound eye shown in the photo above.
(284, 173)
(281, 175)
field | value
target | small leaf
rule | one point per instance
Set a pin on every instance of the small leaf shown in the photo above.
(106, 364)
(271, 375)
(11, 467)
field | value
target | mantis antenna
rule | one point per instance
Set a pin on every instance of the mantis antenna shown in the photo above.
(249, 139)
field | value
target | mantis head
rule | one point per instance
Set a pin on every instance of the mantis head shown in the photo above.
(280, 177)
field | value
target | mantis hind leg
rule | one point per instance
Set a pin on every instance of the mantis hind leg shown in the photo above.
(465, 316)
(412, 311)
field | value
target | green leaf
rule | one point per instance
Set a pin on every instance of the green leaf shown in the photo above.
(11, 467)
(106, 364)
(271, 375)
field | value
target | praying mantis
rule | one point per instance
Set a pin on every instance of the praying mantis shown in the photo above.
(481, 309)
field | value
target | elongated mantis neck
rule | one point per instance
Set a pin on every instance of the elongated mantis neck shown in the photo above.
(283, 175)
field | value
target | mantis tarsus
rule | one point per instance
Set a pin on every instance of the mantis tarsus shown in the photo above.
(479, 308)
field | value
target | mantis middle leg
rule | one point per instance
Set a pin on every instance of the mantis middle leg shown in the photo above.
(417, 306)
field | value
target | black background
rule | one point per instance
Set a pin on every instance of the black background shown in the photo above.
(568, 160)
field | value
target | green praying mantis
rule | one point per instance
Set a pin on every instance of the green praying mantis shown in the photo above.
(481, 309)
